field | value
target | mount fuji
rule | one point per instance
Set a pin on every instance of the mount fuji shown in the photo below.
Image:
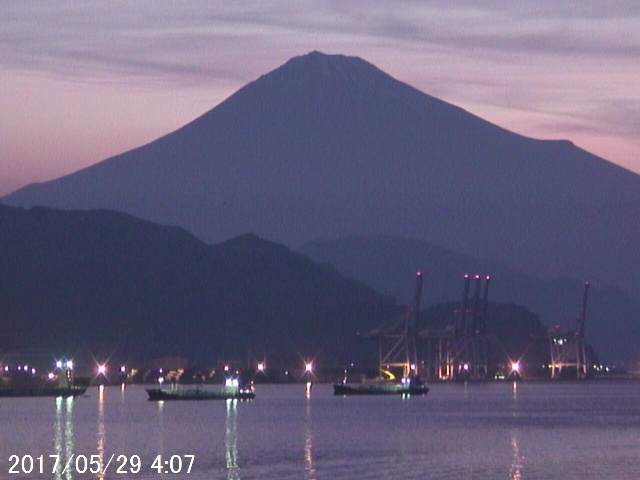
(327, 146)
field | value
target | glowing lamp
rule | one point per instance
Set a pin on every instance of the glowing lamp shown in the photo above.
(232, 382)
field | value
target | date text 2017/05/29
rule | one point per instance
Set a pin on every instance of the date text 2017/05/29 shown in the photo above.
(119, 464)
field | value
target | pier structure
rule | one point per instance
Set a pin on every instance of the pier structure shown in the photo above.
(461, 351)
(397, 349)
(470, 342)
(567, 351)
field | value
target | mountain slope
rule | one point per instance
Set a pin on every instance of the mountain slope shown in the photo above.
(132, 289)
(326, 146)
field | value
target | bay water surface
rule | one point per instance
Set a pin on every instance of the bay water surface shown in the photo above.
(525, 430)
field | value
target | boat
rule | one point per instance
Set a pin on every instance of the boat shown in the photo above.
(159, 394)
(397, 361)
(410, 386)
(25, 383)
(231, 391)
(42, 391)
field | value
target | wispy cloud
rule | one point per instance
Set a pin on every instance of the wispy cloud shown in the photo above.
(551, 66)
(195, 37)
(611, 118)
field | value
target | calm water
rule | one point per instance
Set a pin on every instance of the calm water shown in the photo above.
(491, 431)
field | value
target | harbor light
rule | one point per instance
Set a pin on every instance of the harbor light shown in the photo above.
(515, 367)
(232, 383)
(102, 369)
(69, 365)
(261, 367)
(308, 367)
(59, 364)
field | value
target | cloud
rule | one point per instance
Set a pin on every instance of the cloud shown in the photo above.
(550, 66)
(197, 38)
(605, 117)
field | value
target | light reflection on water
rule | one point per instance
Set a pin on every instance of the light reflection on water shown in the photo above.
(231, 440)
(519, 431)
(63, 436)
(310, 471)
(101, 435)
(515, 472)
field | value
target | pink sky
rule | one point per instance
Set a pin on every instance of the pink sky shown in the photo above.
(80, 82)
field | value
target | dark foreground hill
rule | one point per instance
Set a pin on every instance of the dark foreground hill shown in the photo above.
(327, 146)
(119, 286)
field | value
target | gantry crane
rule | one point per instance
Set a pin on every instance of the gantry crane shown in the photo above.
(568, 351)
